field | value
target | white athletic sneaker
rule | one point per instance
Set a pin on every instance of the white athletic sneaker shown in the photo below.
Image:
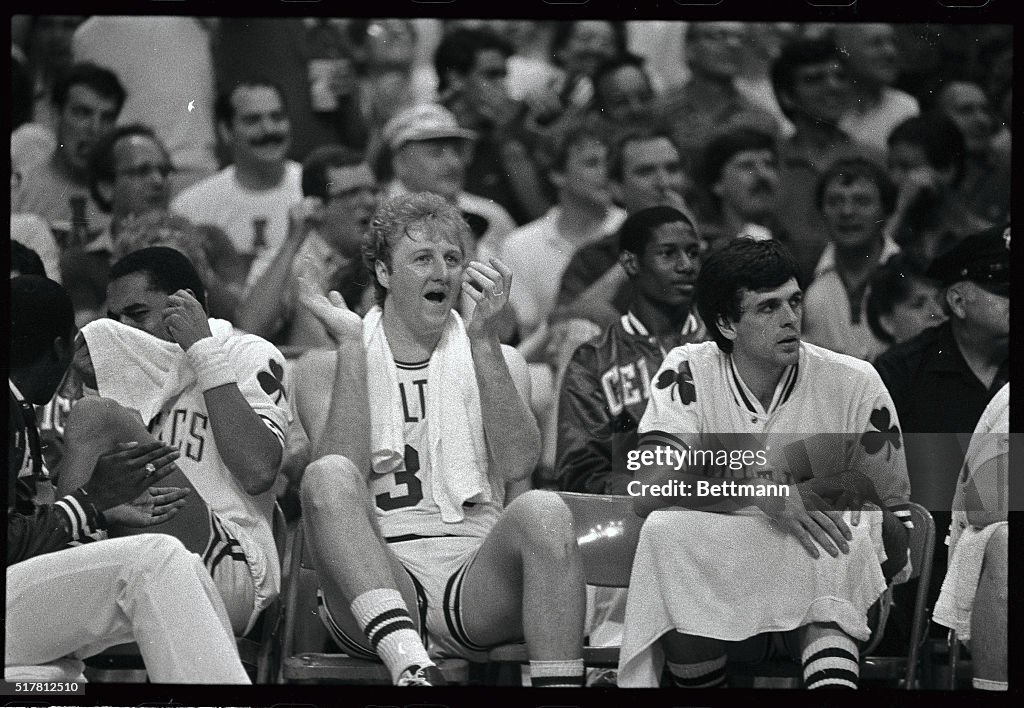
(421, 676)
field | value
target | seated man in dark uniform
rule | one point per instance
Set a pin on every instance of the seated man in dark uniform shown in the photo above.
(941, 380)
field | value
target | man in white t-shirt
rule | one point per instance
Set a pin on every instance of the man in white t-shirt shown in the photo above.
(250, 198)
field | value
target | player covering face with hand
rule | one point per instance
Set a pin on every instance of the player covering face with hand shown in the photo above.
(426, 425)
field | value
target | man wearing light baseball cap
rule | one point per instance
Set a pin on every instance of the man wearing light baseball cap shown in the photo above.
(429, 152)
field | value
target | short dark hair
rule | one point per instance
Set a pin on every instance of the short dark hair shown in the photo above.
(168, 270)
(742, 264)
(795, 55)
(103, 166)
(102, 81)
(610, 66)
(41, 311)
(317, 162)
(939, 139)
(563, 31)
(635, 135)
(458, 49)
(850, 169)
(26, 261)
(890, 285)
(723, 147)
(224, 107)
(583, 131)
(636, 230)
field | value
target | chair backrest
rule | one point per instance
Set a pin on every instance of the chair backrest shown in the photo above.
(607, 531)
(279, 526)
(922, 541)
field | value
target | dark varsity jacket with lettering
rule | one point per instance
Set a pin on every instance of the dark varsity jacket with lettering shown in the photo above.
(604, 394)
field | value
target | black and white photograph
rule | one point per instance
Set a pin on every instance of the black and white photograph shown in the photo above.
(569, 350)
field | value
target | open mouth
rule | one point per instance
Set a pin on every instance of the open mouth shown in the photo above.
(436, 296)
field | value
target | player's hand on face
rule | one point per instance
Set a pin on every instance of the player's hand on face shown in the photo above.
(805, 515)
(185, 319)
(128, 470)
(154, 506)
(488, 287)
(340, 322)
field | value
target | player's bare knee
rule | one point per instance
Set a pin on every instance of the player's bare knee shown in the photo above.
(332, 480)
(545, 522)
(95, 417)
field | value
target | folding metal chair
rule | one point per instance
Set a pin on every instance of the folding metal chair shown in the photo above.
(123, 663)
(308, 654)
(607, 531)
(905, 669)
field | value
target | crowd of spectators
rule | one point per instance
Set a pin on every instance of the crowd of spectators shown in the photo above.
(260, 149)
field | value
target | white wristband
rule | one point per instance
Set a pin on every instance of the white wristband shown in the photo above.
(210, 364)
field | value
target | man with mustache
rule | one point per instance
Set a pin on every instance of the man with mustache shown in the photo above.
(740, 171)
(87, 100)
(250, 198)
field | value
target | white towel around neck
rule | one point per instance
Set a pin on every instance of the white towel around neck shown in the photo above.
(455, 436)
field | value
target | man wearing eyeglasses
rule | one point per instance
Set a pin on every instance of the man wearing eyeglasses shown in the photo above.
(130, 170)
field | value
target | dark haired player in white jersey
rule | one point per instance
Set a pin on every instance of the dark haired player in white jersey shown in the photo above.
(426, 424)
(831, 441)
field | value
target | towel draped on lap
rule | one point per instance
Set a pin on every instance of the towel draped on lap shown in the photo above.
(458, 452)
(731, 576)
(955, 605)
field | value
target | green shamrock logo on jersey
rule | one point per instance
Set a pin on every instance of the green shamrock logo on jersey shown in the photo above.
(680, 380)
(882, 435)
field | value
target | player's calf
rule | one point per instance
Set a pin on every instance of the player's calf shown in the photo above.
(360, 580)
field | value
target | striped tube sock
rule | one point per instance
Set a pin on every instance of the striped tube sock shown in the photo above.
(556, 674)
(831, 662)
(385, 620)
(703, 674)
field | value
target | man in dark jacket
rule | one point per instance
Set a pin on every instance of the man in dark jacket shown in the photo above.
(145, 588)
(607, 384)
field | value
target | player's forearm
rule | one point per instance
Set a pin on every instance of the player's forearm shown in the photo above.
(251, 451)
(513, 438)
(262, 309)
(346, 429)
